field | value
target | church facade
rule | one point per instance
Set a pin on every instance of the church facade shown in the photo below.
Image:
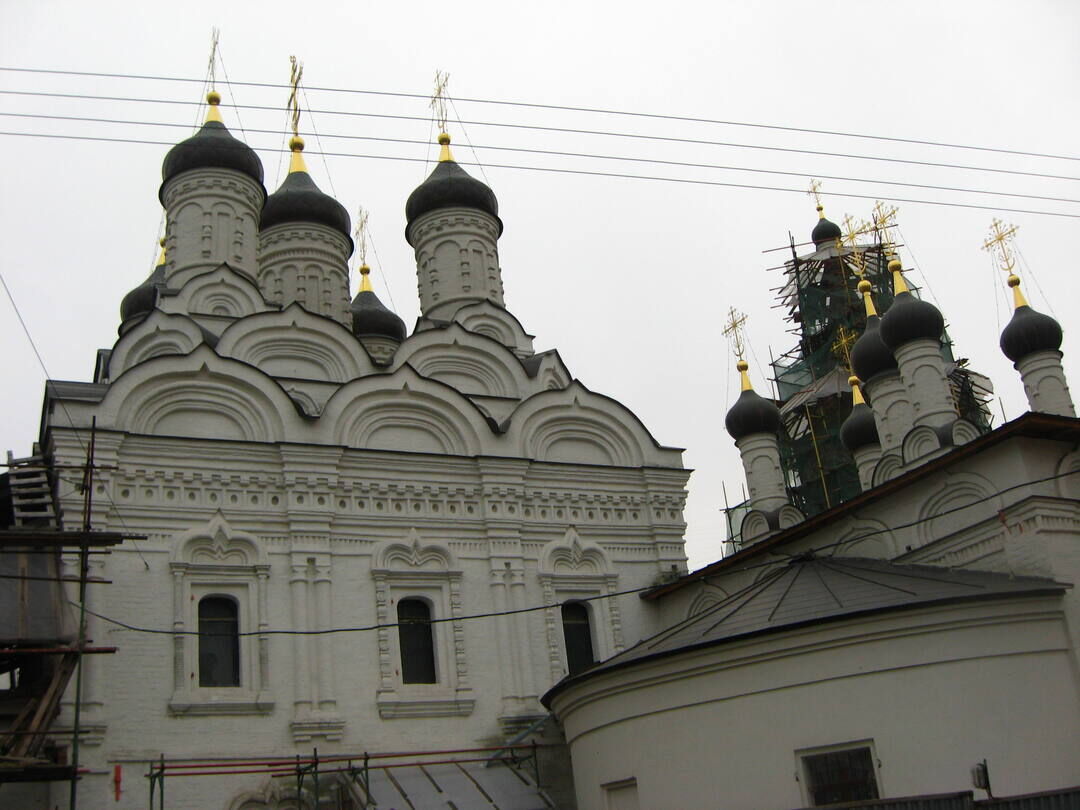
(298, 462)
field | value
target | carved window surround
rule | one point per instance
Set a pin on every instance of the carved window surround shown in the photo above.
(428, 572)
(214, 561)
(572, 569)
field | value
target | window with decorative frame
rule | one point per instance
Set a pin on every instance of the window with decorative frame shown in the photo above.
(573, 571)
(426, 580)
(221, 665)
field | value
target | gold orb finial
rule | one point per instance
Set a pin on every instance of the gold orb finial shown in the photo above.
(820, 211)
(296, 143)
(852, 380)
(895, 266)
(444, 147)
(742, 365)
(865, 286)
(364, 269)
(161, 241)
(213, 98)
(1013, 280)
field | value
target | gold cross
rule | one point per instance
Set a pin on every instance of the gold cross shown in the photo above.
(841, 347)
(1000, 237)
(733, 331)
(295, 72)
(438, 99)
(360, 234)
(815, 191)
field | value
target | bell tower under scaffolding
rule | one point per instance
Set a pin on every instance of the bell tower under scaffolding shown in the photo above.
(819, 295)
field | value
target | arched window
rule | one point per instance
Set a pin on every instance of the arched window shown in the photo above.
(219, 642)
(417, 644)
(578, 637)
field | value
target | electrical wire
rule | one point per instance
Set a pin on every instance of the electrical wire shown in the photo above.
(562, 153)
(567, 108)
(874, 532)
(362, 628)
(568, 130)
(594, 173)
(71, 421)
(629, 591)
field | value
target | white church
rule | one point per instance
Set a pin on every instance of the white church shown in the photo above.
(298, 461)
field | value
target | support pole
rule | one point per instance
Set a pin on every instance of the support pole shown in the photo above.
(84, 572)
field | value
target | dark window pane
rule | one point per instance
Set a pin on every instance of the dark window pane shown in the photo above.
(578, 637)
(840, 776)
(415, 639)
(219, 642)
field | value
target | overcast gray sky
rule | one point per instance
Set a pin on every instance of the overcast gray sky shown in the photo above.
(629, 279)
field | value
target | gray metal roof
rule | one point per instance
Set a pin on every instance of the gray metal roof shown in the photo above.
(455, 785)
(813, 589)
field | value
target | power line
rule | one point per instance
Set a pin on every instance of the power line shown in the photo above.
(629, 591)
(567, 108)
(362, 628)
(71, 421)
(594, 173)
(559, 153)
(569, 130)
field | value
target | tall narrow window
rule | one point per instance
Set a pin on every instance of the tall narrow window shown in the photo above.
(219, 642)
(417, 643)
(578, 637)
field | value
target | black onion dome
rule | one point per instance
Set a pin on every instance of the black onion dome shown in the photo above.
(450, 186)
(825, 231)
(870, 356)
(859, 429)
(300, 200)
(1028, 332)
(212, 147)
(910, 318)
(142, 299)
(371, 319)
(752, 413)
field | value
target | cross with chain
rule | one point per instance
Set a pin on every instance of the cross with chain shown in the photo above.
(360, 234)
(438, 99)
(295, 72)
(815, 190)
(733, 331)
(841, 347)
(1000, 237)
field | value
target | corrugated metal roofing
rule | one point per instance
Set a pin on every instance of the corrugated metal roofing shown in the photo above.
(455, 785)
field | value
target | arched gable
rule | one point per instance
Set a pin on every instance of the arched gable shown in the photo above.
(470, 363)
(1068, 484)
(217, 543)
(863, 537)
(497, 323)
(199, 395)
(551, 373)
(222, 292)
(157, 335)
(709, 596)
(943, 514)
(297, 344)
(572, 555)
(404, 411)
(577, 426)
(411, 554)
